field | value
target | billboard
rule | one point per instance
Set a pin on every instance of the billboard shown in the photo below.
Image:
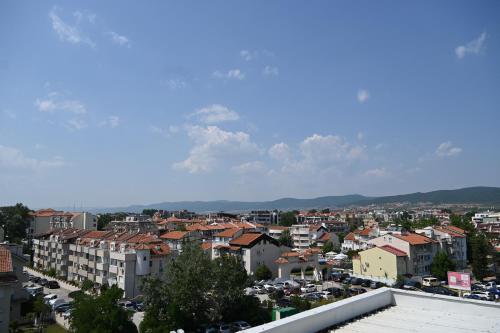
(457, 280)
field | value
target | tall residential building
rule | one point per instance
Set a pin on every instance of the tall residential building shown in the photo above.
(262, 217)
(134, 223)
(44, 220)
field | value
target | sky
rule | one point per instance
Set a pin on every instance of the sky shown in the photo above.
(111, 103)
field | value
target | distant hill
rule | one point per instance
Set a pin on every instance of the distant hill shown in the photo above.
(470, 195)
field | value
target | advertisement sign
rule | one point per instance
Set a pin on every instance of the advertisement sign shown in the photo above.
(457, 280)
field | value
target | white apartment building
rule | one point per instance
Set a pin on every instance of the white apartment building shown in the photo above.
(262, 217)
(306, 235)
(134, 223)
(103, 257)
(419, 248)
(44, 220)
(359, 239)
(451, 240)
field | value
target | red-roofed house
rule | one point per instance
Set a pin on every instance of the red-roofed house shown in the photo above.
(451, 240)
(175, 239)
(358, 239)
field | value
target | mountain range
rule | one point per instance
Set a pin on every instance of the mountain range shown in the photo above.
(479, 195)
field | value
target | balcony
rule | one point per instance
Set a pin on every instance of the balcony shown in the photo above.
(102, 266)
(100, 279)
(82, 272)
(113, 269)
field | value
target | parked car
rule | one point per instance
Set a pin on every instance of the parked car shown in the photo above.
(53, 303)
(240, 326)
(53, 284)
(430, 281)
(495, 292)
(283, 302)
(472, 296)
(66, 315)
(487, 285)
(292, 291)
(336, 292)
(339, 277)
(63, 307)
(439, 290)
(35, 279)
(139, 306)
(356, 291)
(34, 291)
(312, 297)
(376, 284)
(259, 289)
(308, 288)
(347, 280)
(356, 281)
(224, 328)
(43, 282)
(366, 283)
(483, 295)
(269, 288)
(49, 297)
(412, 285)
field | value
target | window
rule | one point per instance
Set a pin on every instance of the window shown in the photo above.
(144, 258)
(151, 263)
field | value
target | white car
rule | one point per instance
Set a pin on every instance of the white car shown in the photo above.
(484, 295)
(250, 292)
(259, 289)
(308, 288)
(240, 326)
(55, 302)
(67, 314)
(49, 297)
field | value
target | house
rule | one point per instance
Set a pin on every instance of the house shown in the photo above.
(275, 231)
(382, 264)
(175, 239)
(451, 240)
(12, 295)
(306, 235)
(299, 262)
(420, 250)
(358, 239)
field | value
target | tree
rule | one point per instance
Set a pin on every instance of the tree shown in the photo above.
(480, 249)
(149, 212)
(285, 238)
(93, 314)
(41, 311)
(300, 303)
(287, 219)
(51, 272)
(263, 273)
(87, 285)
(441, 264)
(327, 247)
(15, 220)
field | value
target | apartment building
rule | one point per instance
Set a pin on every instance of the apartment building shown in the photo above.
(44, 220)
(451, 240)
(306, 235)
(262, 217)
(176, 239)
(134, 223)
(275, 231)
(359, 239)
(103, 257)
(420, 250)
(382, 264)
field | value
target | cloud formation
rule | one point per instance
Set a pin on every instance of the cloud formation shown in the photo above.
(214, 146)
(111, 121)
(119, 39)
(475, 46)
(270, 71)
(12, 158)
(215, 113)
(66, 32)
(446, 149)
(234, 74)
(363, 95)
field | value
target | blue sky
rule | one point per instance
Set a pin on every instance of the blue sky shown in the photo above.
(115, 103)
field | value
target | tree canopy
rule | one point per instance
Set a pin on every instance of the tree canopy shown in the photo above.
(327, 247)
(441, 264)
(263, 273)
(195, 291)
(15, 220)
(101, 314)
(287, 219)
(285, 238)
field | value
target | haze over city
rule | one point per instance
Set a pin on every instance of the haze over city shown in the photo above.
(245, 101)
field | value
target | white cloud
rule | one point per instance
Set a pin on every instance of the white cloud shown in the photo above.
(248, 55)
(363, 95)
(55, 102)
(215, 113)
(235, 74)
(76, 124)
(270, 71)
(214, 146)
(111, 121)
(174, 84)
(360, 136)
(166, 132)
(446, 149)
(119, 39)
(280, 152)
(377, 172)
(475, 46)
(12, 158)
(249, 167)
(67, 32)
(84, 15)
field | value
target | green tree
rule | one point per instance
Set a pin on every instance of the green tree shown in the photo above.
(287, 219)
(441, 264)
(103, 220)
(96, 314)
(41, 311)
(285, 238)
(149, 212)
(263, 273)
(327, 247)
(480, 249)
(51, 272)
(87, 285)
(300, 303)
(15, 220)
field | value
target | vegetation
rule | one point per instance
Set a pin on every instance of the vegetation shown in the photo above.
(96, 314)
(149, 211)
(480, 249)
(198, 291)
(263, 273)
(441, 264)
(87, 285)
(104, 219)
(287, 219)
(327, 247)
(14, 220)
(300, 303)
(286, 239)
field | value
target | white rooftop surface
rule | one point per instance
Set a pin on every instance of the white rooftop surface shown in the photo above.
(389, 310)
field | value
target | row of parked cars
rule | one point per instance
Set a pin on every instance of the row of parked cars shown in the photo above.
(236, 326)
(51, 284)
(487, 291)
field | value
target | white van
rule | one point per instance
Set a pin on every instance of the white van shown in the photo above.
(430, 282)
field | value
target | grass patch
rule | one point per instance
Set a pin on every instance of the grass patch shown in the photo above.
(54, 328)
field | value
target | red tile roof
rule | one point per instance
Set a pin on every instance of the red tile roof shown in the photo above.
(350, 237)
(325, 237)
(228, 233)
(415, 239)
(176, 235)
(249, 239)
(206, 246)
(5, 260)
(393, 250)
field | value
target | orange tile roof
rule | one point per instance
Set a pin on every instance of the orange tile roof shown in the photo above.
(246, 239)
(206, 246)
(455, 229)
(176, 235)
(350, 237)
(393, 250)
(277, 227)
(325, 237)
(415, 239)
(228, 232)
(281, 261)
(5, 260)
(452, 233)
